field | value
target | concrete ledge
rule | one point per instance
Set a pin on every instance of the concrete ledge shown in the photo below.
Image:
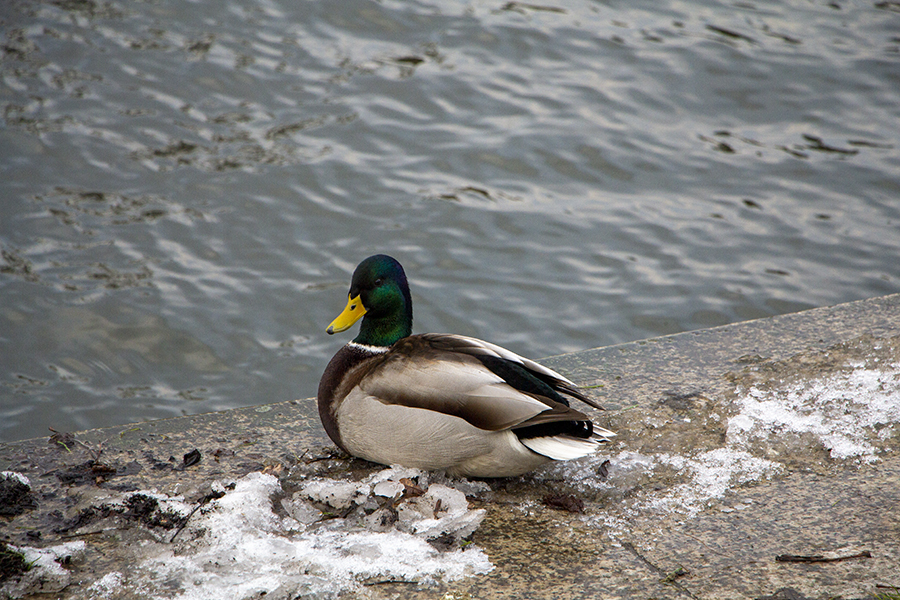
(700, 498)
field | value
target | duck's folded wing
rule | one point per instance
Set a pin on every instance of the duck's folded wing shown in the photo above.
(486, 351)
(454, 388)
(417, 375)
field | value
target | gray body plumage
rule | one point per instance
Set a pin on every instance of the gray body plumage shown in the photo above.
(430, 402)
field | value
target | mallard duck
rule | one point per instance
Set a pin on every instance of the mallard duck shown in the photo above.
(438, 401)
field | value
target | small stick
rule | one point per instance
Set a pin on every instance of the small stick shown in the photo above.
(214, 495)
(818, 558)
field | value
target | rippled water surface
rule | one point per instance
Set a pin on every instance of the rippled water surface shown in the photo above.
(187, 186)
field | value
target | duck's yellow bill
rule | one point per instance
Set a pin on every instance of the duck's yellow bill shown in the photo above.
(353, 312)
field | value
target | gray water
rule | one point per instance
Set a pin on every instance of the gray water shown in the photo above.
(187, 186)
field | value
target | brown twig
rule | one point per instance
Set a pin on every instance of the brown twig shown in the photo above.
(818, 558)
(213, 495)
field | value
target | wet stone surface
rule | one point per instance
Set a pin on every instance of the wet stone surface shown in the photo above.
(756, 460)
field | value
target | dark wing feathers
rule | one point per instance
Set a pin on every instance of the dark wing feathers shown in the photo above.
(506, 363)
(521, 378)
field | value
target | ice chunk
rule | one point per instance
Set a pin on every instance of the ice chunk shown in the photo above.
(441, 511)
(388, 489)
(45, 576)
(300, 509)
(14, 475)
(336, 494)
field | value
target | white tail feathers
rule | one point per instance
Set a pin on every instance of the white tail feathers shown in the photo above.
(564, 447)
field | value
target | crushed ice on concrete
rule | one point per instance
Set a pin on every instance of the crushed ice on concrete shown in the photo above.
(710, 475)
(848, 413)
(329, 537)
(46, 575)
(853, 414)
(45, 572)
(107, 587)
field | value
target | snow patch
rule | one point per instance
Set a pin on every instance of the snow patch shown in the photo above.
(853, 414)
(238, 546)
(711, 474)
(46, 575)
(107, 586)
(848, 412)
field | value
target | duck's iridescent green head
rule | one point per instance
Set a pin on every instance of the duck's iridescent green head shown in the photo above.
(379, 294)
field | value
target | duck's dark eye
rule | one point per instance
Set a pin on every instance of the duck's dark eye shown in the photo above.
(379, 281)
